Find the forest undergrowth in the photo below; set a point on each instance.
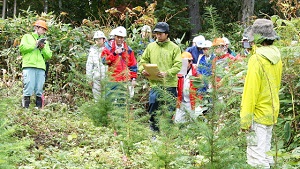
(74, 131)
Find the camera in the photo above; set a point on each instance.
(246, 44)
(42, 41)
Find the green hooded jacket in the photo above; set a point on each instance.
(260, 99)
(167, 56)
(31, 55)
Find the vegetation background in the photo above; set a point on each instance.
(73, 131)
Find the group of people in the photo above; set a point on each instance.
(177, 71)
(202, 64)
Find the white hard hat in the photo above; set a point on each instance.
(146, 28)
(197, 37)
(226, 40)
(199, 40)
(112, 34)
(120, 31)
(99, 34)
(244, 38)
(207, 44)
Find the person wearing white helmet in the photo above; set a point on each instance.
(120, 59)
(246, 45)
(120, 31)
(227, 49)
(207, 44)
(146, 38)
(196, 50)
(206, 47)
(112, 34)
(111, 38)
(95, 69)
(146, 32)
(205, 65)
(195, 39)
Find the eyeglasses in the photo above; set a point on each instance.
(205, 49)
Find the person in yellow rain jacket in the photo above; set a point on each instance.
(260, 99)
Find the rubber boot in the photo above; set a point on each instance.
(26, 102)
(38, 102)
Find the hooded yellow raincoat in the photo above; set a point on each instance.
(260, 99)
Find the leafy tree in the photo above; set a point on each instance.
(175, 15)
(65, 136)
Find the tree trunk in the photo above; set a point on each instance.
(46, 6)
(247, 11)
(3, 9)
(60, 6)
(194, 17)
(15, 8)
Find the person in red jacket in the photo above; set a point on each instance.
(186, 97)
(120, 59)
(221, 62)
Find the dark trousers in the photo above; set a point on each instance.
(155, 101)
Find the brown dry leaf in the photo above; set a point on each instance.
(138, 8)
(64, 13)
(112, 11)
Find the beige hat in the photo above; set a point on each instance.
(263, 28)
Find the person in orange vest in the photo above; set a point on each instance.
(186, 98)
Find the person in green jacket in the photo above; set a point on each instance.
(167, 56)
(260, 99)
(35, 51)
